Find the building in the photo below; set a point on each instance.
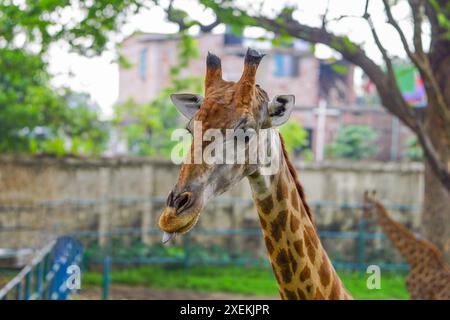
(290, 69)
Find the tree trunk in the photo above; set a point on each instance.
(436, 213)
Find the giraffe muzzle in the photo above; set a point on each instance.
(180, 215)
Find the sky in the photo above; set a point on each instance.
(99, 76)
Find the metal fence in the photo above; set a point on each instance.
(360, 238)
(43, 277)
(47, 275)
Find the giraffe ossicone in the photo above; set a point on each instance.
(301, 266)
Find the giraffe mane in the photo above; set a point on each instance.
(294, 175)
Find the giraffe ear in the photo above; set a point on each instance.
(187, 103)
(280, 109)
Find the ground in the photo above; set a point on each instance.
(221, 282)
(127, 292)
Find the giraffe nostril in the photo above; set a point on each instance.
(183, 201)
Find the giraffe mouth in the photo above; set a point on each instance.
(172, 223)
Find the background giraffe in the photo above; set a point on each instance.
(429, 277)
(300, 264)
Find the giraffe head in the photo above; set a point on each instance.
(368, 202)
(241, 107)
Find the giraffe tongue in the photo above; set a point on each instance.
(167, 236)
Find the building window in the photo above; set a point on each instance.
(231, 38)
(143, 64)
(285, 65)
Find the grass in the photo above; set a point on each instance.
(240, 279)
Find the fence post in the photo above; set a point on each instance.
(147, 204)
(19, 295)
(28, 278)
(39, 279)
(104, 209)
(361, 244)
(106, 277)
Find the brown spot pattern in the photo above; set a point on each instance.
(310, 250)
(282, 261)
(269, 245)
(301, 294)
(266, 204)
(319, 295)
(312, 235)
(281, 190)
(298, 245)
(279, 225)
(324, 272)
(290, 295)
(293, 261)
(294, 200)
(335, 289)
(295, 223)
(305, 274)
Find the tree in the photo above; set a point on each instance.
(148, 127)
(34, 117)
(296, 139)
(354, 142)
(431, 125)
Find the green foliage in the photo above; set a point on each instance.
(295, 138)
(339, 68)
(35, 118)
(251, 280)
(355, 142)
(84, 25)
(414, 151)
(148, 127)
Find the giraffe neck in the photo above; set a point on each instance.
(301, 266)
(412, 249)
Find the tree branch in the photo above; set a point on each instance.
(380, 46)
(393, 22)
(417, 7)
(179, 17)
(392, 100)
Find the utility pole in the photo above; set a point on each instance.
(322, 113)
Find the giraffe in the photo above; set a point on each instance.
(429, 277)
(300, 264)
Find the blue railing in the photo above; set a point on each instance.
(49, 274)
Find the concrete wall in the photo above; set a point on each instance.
(63, 195)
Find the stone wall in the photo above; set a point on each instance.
(40, 196)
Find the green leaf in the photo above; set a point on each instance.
(339, 68)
